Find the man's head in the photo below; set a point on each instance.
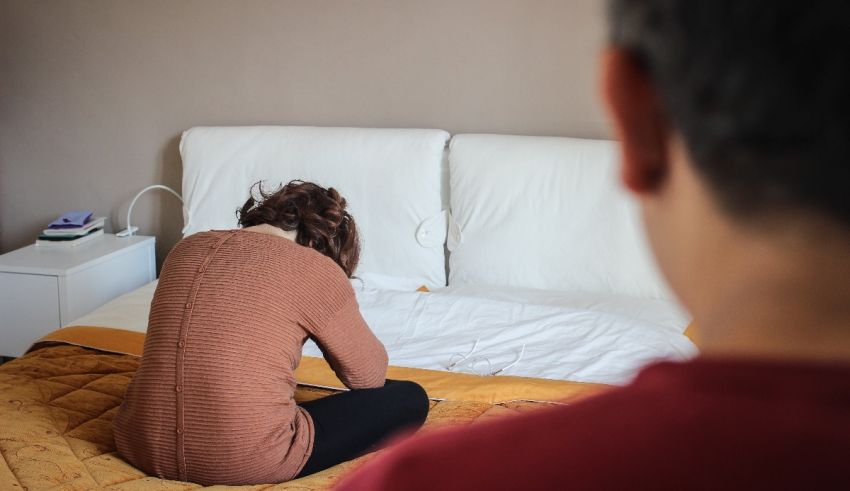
(731, 110)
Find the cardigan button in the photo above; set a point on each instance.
(178, 388)
(179, 431)
(181, 344)
(188, 305)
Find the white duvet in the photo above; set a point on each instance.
(585, 338)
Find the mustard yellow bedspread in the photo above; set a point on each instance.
(58, 401)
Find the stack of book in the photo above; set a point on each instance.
(72, 229)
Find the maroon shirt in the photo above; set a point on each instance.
(705, 424)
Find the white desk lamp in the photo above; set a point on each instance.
(130, 230)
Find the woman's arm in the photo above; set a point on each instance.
(357, 357)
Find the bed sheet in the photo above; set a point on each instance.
(525, 333)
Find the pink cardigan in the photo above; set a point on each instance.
(212, 401)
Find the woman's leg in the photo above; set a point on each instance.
(350, 424)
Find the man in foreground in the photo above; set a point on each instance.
(734, 120)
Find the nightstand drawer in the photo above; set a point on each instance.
(30, 307)
(88, 289)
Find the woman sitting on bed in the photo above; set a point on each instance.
(212, 401)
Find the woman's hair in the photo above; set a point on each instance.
(317, 214)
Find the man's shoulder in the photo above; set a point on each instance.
(677, 423)
(572, 442)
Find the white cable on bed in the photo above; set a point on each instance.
(522, 352)
(463, 358)
(474, 361)
(484, 373)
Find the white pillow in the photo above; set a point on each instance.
(548, 213)
(390, 178)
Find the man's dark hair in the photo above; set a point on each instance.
(759, 90)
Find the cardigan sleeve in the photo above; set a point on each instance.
(357, 357)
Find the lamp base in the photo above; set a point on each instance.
(127, 232)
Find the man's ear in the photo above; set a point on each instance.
(638, 120)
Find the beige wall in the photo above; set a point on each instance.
(94, 93)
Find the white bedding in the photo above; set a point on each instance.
(531, 333)
(391, 179)
(547, 213)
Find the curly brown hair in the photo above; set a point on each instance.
(317, 214)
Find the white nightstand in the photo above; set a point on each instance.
(45, 288)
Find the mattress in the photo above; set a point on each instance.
(58, 401)
(602, 339)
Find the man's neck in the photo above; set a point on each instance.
(781, 299)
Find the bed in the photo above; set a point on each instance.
(503, 273)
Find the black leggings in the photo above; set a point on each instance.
(353, 423)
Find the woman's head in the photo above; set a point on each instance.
(317, 214)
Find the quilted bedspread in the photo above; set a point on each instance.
(57, 405)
